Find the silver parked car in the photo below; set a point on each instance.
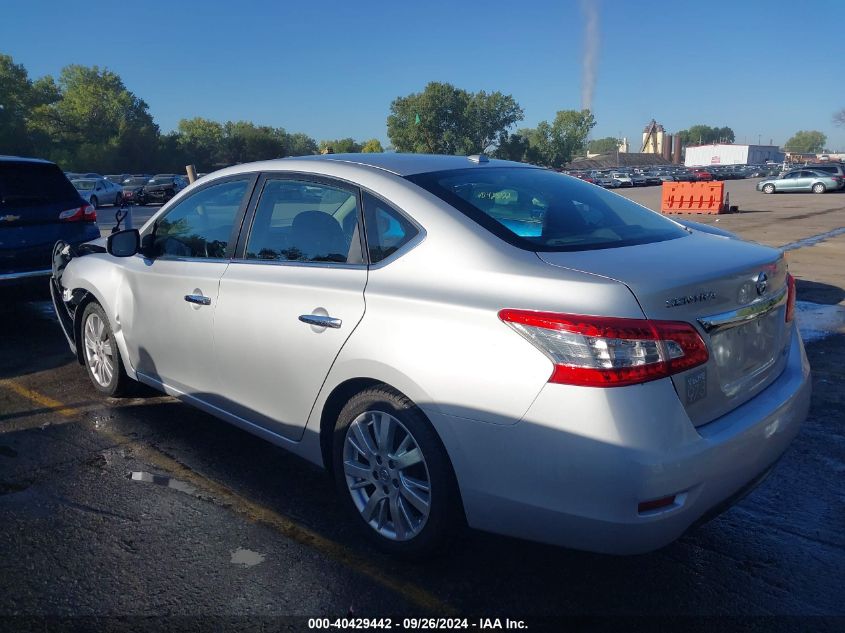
(458, 340)
(99, 191)
(801, 180)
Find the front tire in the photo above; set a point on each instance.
(394, 475)
(101, 354)
(768, 188)
(819, 188)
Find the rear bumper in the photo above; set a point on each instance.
(573, 471)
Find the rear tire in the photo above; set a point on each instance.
(768, 188)
(94, 202)
(819, 188)
(118, 200)
(394, 475)
(101, 354)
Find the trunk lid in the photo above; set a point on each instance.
(733, 292)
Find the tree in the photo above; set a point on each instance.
(703, 134)
(244, 142)
(21, 101)
(340, 146)
(201, 141)
(299, 144)
(443, 119)
(806, 142)
(569, 132)
(488, 117)
(512, 146)
(604, 145)
(96, 123)
(373, 146)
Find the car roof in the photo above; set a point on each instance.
(23, 159)
(409, 164)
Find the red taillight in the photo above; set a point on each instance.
(790, 298)
(85, 213)
(607, 351)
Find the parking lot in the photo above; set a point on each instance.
(148, 507)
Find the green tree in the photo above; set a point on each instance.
(512, 146)
(603, 145)
(443, 119)
(340, 146)
(703, 134)
(299, 144)
(96, 123)
(21, 102)
(569, 134)
(244, 142)
(373, 146)
(489, 117)
(806, 142)
(201, 142)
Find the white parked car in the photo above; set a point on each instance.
(458, 340)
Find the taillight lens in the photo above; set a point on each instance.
(607, 351)
(790, 298)
(85, 213)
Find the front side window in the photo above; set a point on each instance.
(303, 221)
(201, 224)
(541, 210)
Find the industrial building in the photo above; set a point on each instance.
(731, 154)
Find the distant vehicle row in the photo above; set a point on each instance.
(131, 188)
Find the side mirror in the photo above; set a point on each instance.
(124, 243)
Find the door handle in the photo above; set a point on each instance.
(320, 321)
(198, 299)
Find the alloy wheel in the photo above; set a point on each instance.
(98, 350)
(387, 475)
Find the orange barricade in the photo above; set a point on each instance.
(693, 197)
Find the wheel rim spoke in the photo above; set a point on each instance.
(408, 458)
(387, 475)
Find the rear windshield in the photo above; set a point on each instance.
(84, 185)
(163, 180)
(33, 184)
(135, 182)
(541, 210)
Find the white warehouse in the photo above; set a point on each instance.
(731, 154)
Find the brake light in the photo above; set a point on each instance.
(790, 298)
(85, 213)
(595, 351)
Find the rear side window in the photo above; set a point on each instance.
(303, 221)
(387, 229)
(25, 185)
(541, 210)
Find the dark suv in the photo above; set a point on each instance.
(38, 206)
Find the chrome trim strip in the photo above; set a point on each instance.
(24, 275)
(725, 320)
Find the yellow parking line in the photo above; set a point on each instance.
(254, 511)
(45, 401)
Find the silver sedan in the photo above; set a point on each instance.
(99, 191)
(802, 180)
(459, 341)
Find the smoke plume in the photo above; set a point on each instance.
(589, 69)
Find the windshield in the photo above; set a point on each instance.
(84, 185)
(541, 210)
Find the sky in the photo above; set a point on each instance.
(765, 68)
